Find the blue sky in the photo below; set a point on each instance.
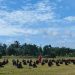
(39, 22)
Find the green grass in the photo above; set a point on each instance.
(9, 69)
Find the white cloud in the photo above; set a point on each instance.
(50, 32)
(11, 22)
(10, 30)
(70, 18)
(42, 12)
(26, 16)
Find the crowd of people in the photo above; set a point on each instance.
(34, 63)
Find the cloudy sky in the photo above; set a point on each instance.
(39, 22)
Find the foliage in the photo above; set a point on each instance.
(33, 50)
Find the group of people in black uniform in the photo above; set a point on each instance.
(35, 63)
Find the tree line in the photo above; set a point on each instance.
(25, 49)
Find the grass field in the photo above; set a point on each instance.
(9, 69)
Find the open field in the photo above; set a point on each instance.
(9, 69)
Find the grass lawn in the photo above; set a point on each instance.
(9, 69)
